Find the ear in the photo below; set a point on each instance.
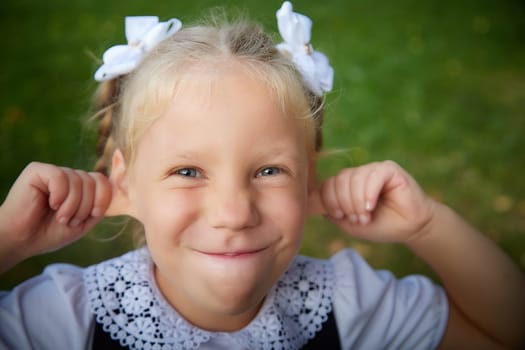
(315, 202)
(120, 201)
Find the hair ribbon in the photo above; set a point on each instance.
(143, 33)
(314, 66)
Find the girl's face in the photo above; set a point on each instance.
(220, 182)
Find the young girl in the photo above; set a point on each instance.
(209, 137)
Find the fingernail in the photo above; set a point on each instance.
(353, 219)
(368, 206)
(363, 219)
(74, 223)
(96, 212)
(338, 214)
(63, 220)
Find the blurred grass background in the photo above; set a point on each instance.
(438, 86)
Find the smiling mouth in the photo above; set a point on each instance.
(237, 254)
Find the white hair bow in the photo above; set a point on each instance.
(295, 29)
(143, 33)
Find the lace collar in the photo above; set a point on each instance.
(127, 303)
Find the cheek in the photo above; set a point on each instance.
(288, 211)
(166, 214)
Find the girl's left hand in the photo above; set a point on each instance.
(378, 202)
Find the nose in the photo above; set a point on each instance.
(232, 206)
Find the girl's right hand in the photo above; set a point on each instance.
(47, 208)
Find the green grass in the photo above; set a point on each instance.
(438, 86)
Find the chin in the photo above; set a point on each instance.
(238, 296)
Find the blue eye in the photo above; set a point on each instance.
(269, 171)
(187, 172)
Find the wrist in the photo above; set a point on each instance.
(432, 228)
(10, 253)
(9, 256)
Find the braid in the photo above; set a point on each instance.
(106, 105)
(317, 109)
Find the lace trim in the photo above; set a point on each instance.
(126, 302)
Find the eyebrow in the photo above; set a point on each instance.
(271, 153)
(282, 152)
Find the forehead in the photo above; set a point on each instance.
(228, 107)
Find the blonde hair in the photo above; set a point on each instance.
(128, 105)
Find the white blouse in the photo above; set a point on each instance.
(373, 310)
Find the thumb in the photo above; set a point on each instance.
(114, 208)
(119, 204)
(315, 203)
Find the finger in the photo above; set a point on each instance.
(361, 201)
(330, 201)
(374, 186)
(344, 193)
(358, 184)
(103, 194)
(386, 178)
(85, 204)
(69, 206)
(58, 187)
(49, 180)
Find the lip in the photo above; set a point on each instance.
(236, 254)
